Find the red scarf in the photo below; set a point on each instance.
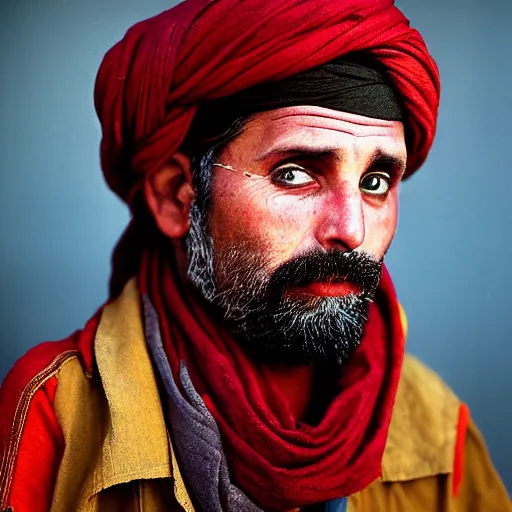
(278, 462)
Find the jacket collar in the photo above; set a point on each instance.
(136, 445)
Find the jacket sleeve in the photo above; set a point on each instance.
(481, 489)
(31, 441)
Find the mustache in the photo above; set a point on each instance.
(333, 266)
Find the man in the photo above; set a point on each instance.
(251, 354)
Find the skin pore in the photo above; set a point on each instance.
(327, 207)
(304, 179)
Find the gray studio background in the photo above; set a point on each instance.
(450, 259)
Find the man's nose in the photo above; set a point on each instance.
(342, 225)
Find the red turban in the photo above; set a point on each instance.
(150, 83)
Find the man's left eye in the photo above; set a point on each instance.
(291, 175)
(376, 184)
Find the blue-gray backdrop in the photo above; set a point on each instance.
(58, 221)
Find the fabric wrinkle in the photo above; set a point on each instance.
(195, 434)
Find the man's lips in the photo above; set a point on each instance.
(325, 289)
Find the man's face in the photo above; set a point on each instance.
(296, 245)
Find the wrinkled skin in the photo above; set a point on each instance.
(329, 207)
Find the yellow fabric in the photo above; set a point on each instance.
(82, 412)
(481, 488)
(114, 428)
(403, 319)
(135, 442)
(118, 454)
(423, 429)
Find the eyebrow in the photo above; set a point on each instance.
(297, 150)
(387, 161)
(380, 159)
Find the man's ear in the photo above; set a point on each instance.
(169, 193)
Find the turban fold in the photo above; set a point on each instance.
(151, 83)
(347, 84)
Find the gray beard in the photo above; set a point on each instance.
(323, 330)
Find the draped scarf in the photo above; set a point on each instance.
(278, 462)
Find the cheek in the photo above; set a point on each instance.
(272, 223)
(381, 224)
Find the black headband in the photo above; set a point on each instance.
(348, 84)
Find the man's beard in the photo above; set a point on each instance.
(272, 324)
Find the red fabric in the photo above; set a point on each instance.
(28, 366)
(39, 454)
(280, 463)
(27, 474)
(149, 84)
(458, 465)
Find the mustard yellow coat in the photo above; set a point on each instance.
(118, 455)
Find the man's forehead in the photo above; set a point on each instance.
(321, 130)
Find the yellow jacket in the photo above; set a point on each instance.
(118, 455)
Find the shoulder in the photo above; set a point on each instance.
(433, 441)
(435, 457)
(432, 437)
(480, 486)
(30, 374)
(423, 432)
(30, 436)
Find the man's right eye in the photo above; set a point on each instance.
(291, 175)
